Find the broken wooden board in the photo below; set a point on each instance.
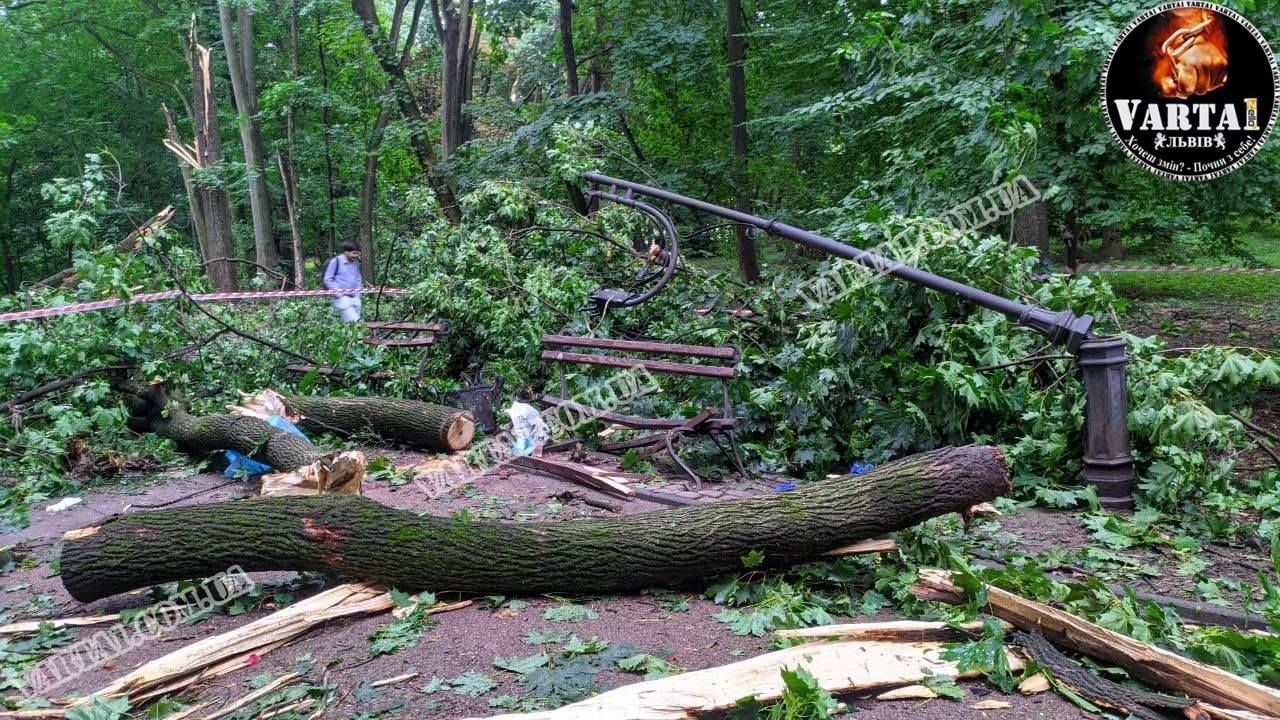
(1145, 662)
(597, 478)
(892, 631)
(865, 547)
(26, 627)
(184, 666)
(840, 666)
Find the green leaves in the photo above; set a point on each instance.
(569, 612)
(987, 655)
(100, 709)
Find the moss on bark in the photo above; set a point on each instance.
(356, 536)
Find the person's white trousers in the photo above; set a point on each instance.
(348, 307)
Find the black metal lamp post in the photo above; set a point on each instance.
(1102, 360)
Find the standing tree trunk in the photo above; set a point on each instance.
(459, 38)
(290, 132)
(207, 156)
(566, 42)
(393, 64)
(369, 195)
(6, 231)
(240, 64)
(576, 198)
(290, 183)
(352, 535)
(331, 228)
(748, 266)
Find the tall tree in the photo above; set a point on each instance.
(748, 266)
(393, 64)
(455, 23)
(566, 43)
(207, 156)
(369, 194)
(241, 65)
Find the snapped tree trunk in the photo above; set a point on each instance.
(409, 421)
(193, 195)
(240, 63)
(355, 536)
(207, 155)
(736, 52)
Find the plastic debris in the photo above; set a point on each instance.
(528, 428)
(860, 468)
(239, 465)
(63, 504)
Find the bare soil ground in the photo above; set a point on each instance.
(462, 641)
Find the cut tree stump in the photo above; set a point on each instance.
(358, 537)
(413, 422)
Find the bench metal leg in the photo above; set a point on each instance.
(695, 480)
(735, 456)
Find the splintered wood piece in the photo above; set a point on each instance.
(273, 630)
(608, 481)
(841, 666)
(865, 547)
(27, 627)
(908, 692)
(254, 696)
(1145, 662)
(896, 630)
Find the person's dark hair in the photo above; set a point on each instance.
(350, 246)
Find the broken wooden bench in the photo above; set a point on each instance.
(386, 334)
(718, 363)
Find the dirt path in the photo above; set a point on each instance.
(462, 645)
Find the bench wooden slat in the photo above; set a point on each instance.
(662, 366)
(407, 326)
(401, 342)
(633, 422)
(641, 346)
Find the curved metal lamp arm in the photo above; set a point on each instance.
(666, 227)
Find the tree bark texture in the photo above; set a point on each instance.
(289, 181)
(459, 39)
(409, 421)
(240, 63)
(355, 536)
(193, 195)
(566, 43)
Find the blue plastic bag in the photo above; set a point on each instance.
(240, 466)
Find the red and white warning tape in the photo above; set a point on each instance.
(1097, 267)
(203, 297)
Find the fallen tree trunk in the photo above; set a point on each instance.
(358, 537)
(413, 422)
(151, 410)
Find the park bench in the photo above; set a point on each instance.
(715, 423)
(386, 334)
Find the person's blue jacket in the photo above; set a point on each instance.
(342, 274)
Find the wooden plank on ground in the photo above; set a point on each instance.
(839, 666)
(26, 627)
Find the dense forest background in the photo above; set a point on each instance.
(854, 111)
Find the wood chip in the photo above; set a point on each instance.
(909, 692)
(991, 705)
(864, 547)
(1034, 685)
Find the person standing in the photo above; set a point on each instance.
(343, 273)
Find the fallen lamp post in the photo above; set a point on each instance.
(1102, 360)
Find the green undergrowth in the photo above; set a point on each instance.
(1240, 287)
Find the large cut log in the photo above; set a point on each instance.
(360, 538)
(408, 421)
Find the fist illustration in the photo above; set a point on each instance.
(1192, 57)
